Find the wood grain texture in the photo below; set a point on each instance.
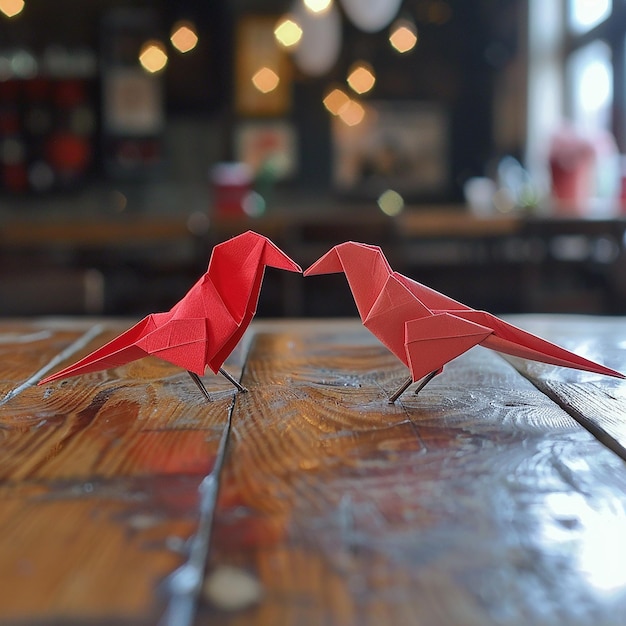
(481, 501)
(598, 403)
(98, 477)
(478, 502)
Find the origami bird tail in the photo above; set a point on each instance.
(510, 339)
(116, 352)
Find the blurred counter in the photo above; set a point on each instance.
(148, 258)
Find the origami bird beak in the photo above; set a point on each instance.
(275, 257)
(327, 264)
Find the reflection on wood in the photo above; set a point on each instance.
(443, 510)
(480, 501)
(597, 403)
(100, 476)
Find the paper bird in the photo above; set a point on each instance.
(204, 327)
(426, 329)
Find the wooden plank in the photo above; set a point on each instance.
(597, 402)
(99, 479)
(479, 502)
(144, 418)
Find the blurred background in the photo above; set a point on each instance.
(479, 143)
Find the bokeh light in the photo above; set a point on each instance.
(391, 202)
(184, 37)
(288, 32)
(403, 35)
(351, 113)
(361, 77)
(253, 204)
(335, 99)
(265, 79)
(595, 86)
(585, 14)
(11, 8)
(317, 6)
(153, 56)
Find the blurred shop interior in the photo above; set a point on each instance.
(479, 143)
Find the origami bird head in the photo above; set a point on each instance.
(365, 266)
(247, 252)
(272, 256)
(237, 266)
(338, 258)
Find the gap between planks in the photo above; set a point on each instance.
(72, 349)
(593, 427)
(185, 583)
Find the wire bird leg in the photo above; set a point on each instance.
(405, 385)
(196, 379)
(200, 384)
(422, 383)
(400, 390)
(230, 379)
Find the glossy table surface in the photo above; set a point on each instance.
(496, 496)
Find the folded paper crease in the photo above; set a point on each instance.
(426, 329)
(204, 327)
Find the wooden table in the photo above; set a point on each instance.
(496, 496)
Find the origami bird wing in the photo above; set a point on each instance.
(434, 300)
(512, 340)
(505, 337)
(202, 330)
(185, 343)
(433, 341)
(386, 319)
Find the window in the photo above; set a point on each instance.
(577, 69)
(595, 80)
(589, 77)
(585, 14)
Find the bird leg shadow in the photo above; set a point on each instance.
(405, 385)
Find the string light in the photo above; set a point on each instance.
(153, 56)
(184, 37)
(403, 35)
(351, 113)
(265, 79)
(317, 6)
(334, 100)
(288, 32)
(361, 77)
(11, 8)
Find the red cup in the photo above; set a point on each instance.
(232, 183)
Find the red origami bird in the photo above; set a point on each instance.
(426, 329)
(204, 327)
